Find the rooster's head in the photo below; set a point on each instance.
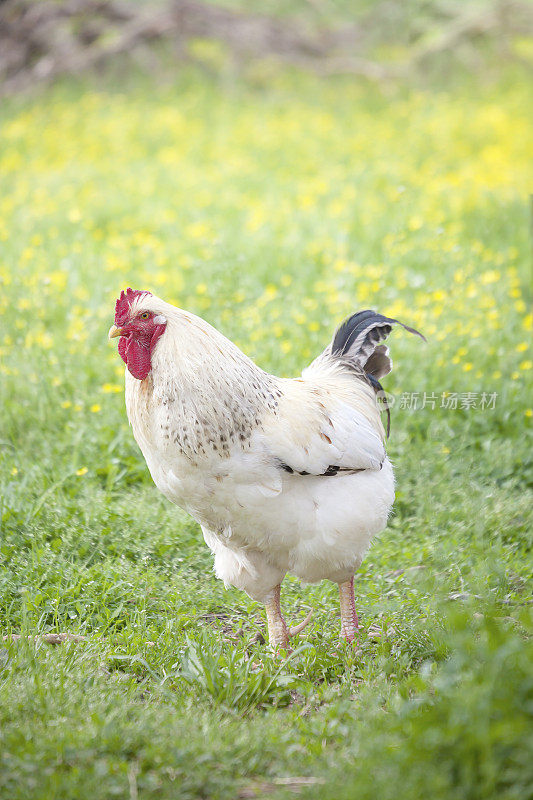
(139, 327)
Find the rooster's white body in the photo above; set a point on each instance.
(283, 475)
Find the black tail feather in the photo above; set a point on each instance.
(363, 329)
(383, 398)
(379, 363)
(357, 342)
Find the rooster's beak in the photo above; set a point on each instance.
(114, 332)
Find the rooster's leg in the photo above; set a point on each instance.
(278, 632)
(349, 618)
(278, 635)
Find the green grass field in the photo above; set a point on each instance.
(273, 209)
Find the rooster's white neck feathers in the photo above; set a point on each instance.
(210, 395)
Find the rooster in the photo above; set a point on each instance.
(283, 475)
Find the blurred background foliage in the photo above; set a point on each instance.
(378, 39)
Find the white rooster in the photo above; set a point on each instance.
(283, 475)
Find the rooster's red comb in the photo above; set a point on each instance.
(122, 306)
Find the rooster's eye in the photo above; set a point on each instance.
(145, 315)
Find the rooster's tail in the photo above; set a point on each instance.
(357, 342)
(356, 345)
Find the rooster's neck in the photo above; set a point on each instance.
(205, 397)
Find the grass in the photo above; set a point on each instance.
(272, 208)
